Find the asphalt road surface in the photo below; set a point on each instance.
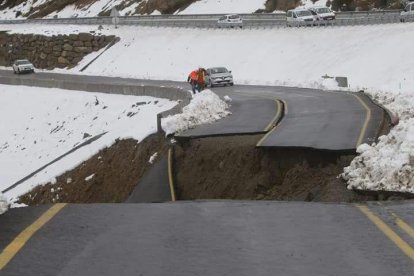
(267, 112)
(212, 238)
(154, 186)
(312, 118)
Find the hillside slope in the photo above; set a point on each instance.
(10, 9)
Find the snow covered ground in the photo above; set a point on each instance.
(290, 57)
(39, 124)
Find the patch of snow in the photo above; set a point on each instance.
(310, 3)
(205, 107)
(48, 122)
(152, 158)
(88, 178)
(156, 12)
(224, 6)
(3, 204)
(227, 99)
(68, 180)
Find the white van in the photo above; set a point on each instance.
(299, 17)
(408, 13)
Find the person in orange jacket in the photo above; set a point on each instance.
(201, 82)
(193, 80)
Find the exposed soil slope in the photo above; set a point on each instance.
(232, 168)
(117, 170)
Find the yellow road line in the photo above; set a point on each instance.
(14, 247)
(381, 225)
(367, 118)
(170, 175)
(403, 225)
(285, 108)
(399, 221)
(276, 117)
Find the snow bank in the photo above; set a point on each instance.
(224, 6)
(37, 125)
(205, 107)
(3, 204)
(389, 164)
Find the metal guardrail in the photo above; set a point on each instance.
(210, 20)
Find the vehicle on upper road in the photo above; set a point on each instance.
(230, 21)
(218, 76)
(299, 17)
(322, 13)
(23, 66)
(408, 13)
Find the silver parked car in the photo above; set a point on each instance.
(218, 76)
(322, 13)
(230, 21)
(22, 66)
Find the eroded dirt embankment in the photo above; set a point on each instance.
(209, 168)
(116, 171)
(233, 168)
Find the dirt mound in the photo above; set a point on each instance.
(109, 176)
(233, 168)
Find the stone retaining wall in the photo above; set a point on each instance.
(49, 52)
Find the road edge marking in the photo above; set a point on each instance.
(170, 175)
(367, 119)
(387, 231)
(276, 117)
(18, 243)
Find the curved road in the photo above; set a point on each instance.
(312, 118)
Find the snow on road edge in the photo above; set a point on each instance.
(389, 164)
(205, 107)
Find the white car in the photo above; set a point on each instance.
(22, 66)
(322, 13)
(219, 76)
(230, 21)
(408, 13)
(299, 17)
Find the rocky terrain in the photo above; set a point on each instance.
(49, 52)
(52, 8)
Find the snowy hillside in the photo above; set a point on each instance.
(67, 8)
(224, 6)
(38, 124)
(295, 57)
